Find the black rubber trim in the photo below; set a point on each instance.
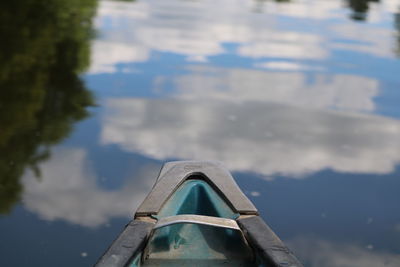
(266, 243)
(128, 244)
(173, 174)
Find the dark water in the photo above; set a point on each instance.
(299, 99)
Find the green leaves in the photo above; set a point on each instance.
(45, 45)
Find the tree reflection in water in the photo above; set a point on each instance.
(45, 45)
(360, 8)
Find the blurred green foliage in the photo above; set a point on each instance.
(45, 45)
(360, 8)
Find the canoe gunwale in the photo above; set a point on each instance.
(129, 243)
(266, 243)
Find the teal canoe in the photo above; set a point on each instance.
(196, 215)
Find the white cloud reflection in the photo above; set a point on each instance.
(344, 92)
(368, 39)
(255, 136)
(106, 55)
(67, 189)
(317, 10)
(281, 49)
(199, 30)
(321, 253)
(287, 66)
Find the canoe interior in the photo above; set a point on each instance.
(196, 245)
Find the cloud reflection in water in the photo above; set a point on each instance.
(317, 252)
(254, 136)
(197, 31)
(68, 190)
(343, 92)
(201, 30)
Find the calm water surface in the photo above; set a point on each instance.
(299, 99)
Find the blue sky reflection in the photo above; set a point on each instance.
(295, 98)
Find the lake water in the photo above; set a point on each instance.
(299, 99)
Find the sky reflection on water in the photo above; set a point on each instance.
(254, 136)
(299, 99)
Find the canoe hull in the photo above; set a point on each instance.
(196, 215)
